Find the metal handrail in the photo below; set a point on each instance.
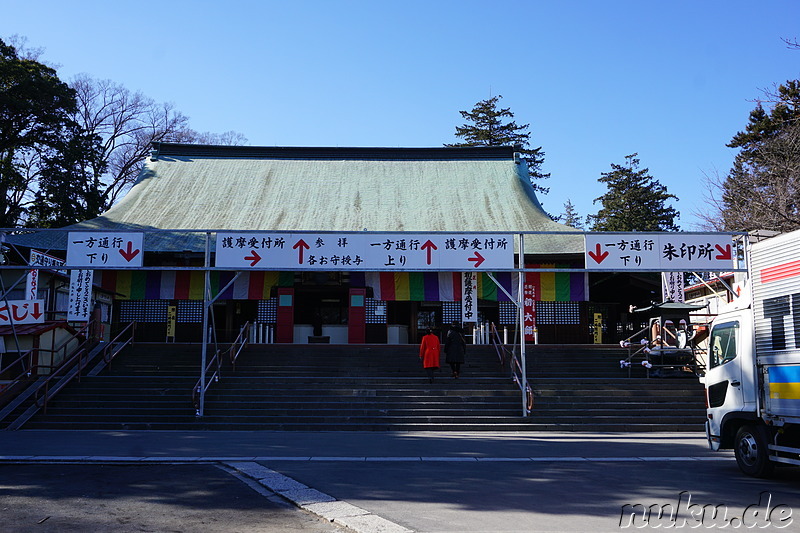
(53, 368)
(110, 352)
(26, 373)
(29, 355)
(515, 367)
(198, 387)
(500, 348)
(242, 340)
(79, 359)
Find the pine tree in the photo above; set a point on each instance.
(486, 127)
(762, 189)
(634, 201)
(570, 216)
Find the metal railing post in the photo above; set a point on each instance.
(520, 301)
(204, 349)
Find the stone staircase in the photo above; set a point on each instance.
(583, 388)
(373, 388)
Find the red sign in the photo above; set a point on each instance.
(529, 309)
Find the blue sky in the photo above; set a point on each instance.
(673, 81)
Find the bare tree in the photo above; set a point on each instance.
(127, 123)
(710, 215)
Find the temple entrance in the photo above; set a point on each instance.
(231, 315)
(321, 314)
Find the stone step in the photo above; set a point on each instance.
(375, 388)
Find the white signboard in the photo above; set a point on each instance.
(86, 249)
(469, 297)
(80, 295)
(32, 280)
(21, 312)
(359, 251)
(672, 286)
(659, 252)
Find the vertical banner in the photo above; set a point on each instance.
(80, 295)
(672, 286)
(172, 321)
(32, 285)
(32, 280)
(529, 307)
(598, 328)
(469, 297)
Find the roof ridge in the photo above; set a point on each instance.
(335, 153)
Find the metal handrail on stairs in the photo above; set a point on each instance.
(59, 378)
(26, 372)
(216, 361)
(198, 387)
(241, 341)
(504, 354)
(115, 345)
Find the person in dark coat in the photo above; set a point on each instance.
(429, 353)
(455, 349)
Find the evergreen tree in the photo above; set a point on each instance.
(634, 201)
(570, 216)
(68, 189)
(762, 189)
(36, 111)
(486, 126)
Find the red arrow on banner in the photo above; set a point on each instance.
(36, 313)
(130, 253)
(599, 255)
(725, 254)
(478, 259)
(255, 258)
(429, 247)
(301, 244)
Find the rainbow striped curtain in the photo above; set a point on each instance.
(557, 286)
(387, 286)
(188, 284)
(446, 286)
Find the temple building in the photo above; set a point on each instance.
(187, 192)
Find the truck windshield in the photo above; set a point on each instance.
(723, 343)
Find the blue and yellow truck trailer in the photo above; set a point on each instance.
(753, 376)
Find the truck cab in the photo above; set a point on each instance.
(753, 370)
(731, 392)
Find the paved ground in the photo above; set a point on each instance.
(368, 482)
(84, 498)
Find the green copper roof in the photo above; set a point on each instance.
(331, 189)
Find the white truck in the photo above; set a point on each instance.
(753, 375)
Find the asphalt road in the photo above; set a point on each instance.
(426, 482)
(80, 498)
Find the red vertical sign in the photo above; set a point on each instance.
(529, 307)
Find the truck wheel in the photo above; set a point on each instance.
(751, 451)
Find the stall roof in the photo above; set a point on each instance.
(669, 307)
(34, 329)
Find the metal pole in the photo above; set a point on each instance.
(520, 301)
(204, 350)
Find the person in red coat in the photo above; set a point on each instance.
(430, 352)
